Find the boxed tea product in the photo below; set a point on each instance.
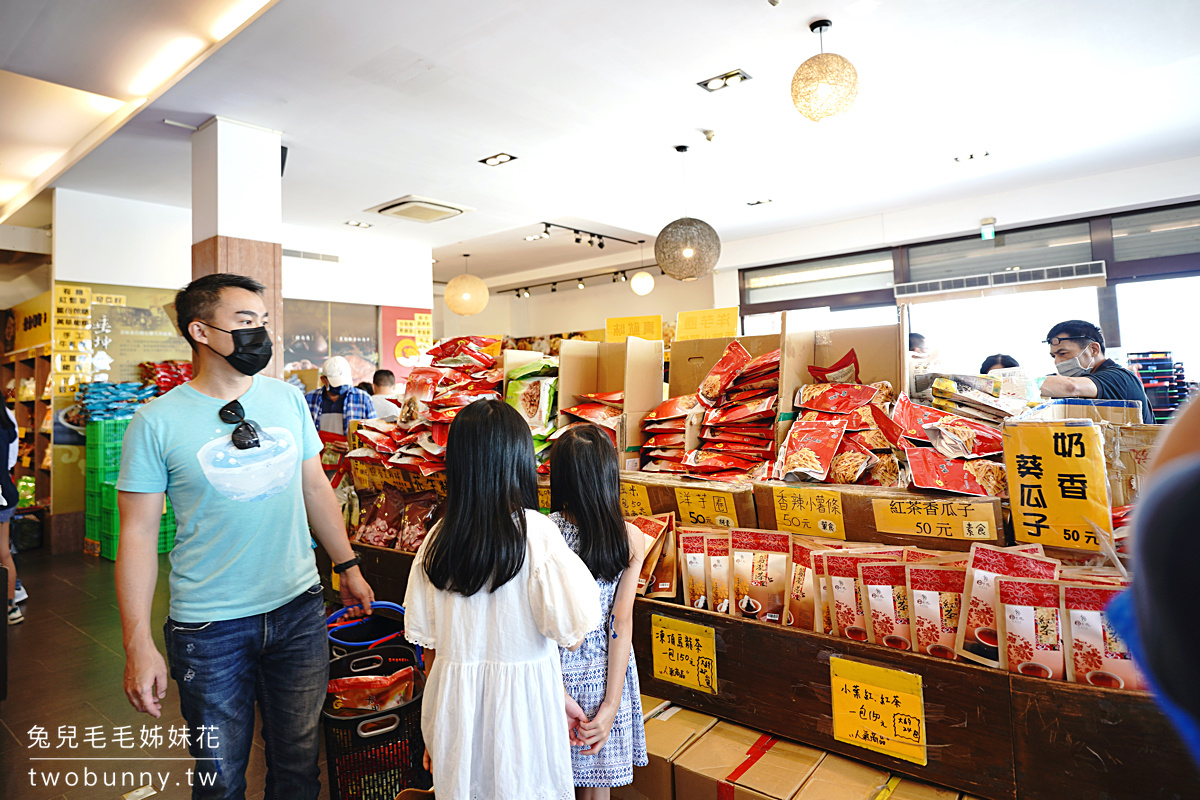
(719, 560)
(885, 602)
(1031, 641)
(978, 637)
(653, 530)
(935, 593)
(1096, 655)
(693, 568)
(761, 569)
(802, 596)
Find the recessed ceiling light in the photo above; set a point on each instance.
(497, 160)
(353, 223)
(164, 65)
(721, 81)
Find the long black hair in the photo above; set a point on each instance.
(490, 481)
(585, 482)
(998, 360)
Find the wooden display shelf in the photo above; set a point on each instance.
(991, 734)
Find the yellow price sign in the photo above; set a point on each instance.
(714, 323)
(938, 518)
(817, 512)
(1057, 482)
(635, 500)
(878, 708)
(702, 507)
(544, 497)
(616, 329)
(684, 653)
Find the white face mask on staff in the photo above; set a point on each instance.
(1081, 364)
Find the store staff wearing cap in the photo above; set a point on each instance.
(1077, 348)
(338, 402)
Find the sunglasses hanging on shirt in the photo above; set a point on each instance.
(245, 435)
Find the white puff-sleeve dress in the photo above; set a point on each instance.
(492, 714)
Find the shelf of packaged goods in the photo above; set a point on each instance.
(990, 734)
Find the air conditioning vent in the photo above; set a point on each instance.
(311, 256)
(1013, 277)
(420, 209)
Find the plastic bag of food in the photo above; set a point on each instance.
(417, 517)
(741, 413)
(759, 368)
(808, 451)
(960, 438)
(844, 371)
(850, 462)
(358, 694)
(600, 414)
(674, 408)
(930, 469)
(835, 398)
(614, 399)
(719, 378)
(535, 399)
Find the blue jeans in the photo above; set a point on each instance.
(280, 659)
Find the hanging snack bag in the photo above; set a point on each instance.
(761, 568)
(931, 470)
(663, 580)
(978, 637)
(802, 596)
(652, 529)
(808, 451)
(884, 590)
(719, 561)
(935, 593)
(844, 371)
(850, 462)
(1030, 632)
(834, 398)
(841, 569)
(956, 437)
(1095, 654)
(378, 525)
(417, 518)
(719, 378)
(693, 568)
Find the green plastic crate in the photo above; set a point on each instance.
(105, 456)
(106, 430)
(110, 522)
(108, 496)
(94, 502)
(108, 546)
(166, 541)
(91, 525)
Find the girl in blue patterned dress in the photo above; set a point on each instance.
(601, 675)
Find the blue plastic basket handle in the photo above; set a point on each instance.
(335, 627)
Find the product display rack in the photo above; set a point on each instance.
(34, 363)
(1163, 379)
(991, 734)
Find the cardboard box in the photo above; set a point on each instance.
(696, 502)
(692, 359)
(1118, 412)
(732, 761)
(668, 736)
(909, 789)
(652, 706)
(862, 519)
(840, 778)
(1127, 451)
(634, 367)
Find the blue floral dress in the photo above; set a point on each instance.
(585, 674)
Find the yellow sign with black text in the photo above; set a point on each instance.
(635, 500)
(684, 653)
(878, 708)
(617, 329)
(817, 512)
(702, 507)
(943, 518)
(713, 323)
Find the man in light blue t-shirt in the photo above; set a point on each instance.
(239, 458)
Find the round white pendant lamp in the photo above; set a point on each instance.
(642, 283)
(826, 84)
(466, 294)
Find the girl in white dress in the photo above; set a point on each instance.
(493, 592)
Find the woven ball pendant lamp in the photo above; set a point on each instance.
(466, 294)
(826, 84)
(687, 249)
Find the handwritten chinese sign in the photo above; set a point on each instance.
(709, 324)
(616, 329)
(635, 500)
(878, 708)
(817, 512)
(544, 497)
(702, 507)
(1057, 482)
(684, 653)
(940, 518)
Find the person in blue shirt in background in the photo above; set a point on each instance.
(337, 402)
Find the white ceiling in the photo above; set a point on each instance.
(378, 99)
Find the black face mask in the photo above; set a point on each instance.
(251, 349)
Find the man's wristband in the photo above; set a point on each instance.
(345, 565)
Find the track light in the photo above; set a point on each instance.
(553, 288)
(546, 230)
(600, 242)
(591, 241)
(623, 278)
(581, 283)
(578, 239)
(524, 293)
(615, 277)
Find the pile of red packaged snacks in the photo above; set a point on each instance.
(415, 439)
(165, 375)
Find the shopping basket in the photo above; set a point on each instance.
(373, 756)
(365, 633)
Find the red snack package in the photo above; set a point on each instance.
(421, 510)
(850, 462)
(931, 470)
(978, 626)
(614, 399)
(669, 426)
(728, 367)
(1096, 655)
(665, 578)
(422, 384)
(605, 416)
(665, 440)
(675, 454)
(1028, 627)
(961, 438)
(674, 408)
(757, 430)
(443, 414)
(759, 367)
(654, 530)
(741, 413)
(358, 693)
(768, 381)
(441, 433)
(741, 450)
(835, 398)
(913, 418)
(890, 429)
(463, 396)
(379, 523)
(662, 465)
(452, 346)
(841, 570)
(724, 435)
(709, 461)
(802, 605)
(735, 396)
(844, 371)
(809, 449)
(872, 440)
(886, 394)
(380, 441)
(884, 472)
(935, 594)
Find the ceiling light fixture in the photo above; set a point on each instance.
(524, 293)
(105, 105)
(553, 288)
(234, 17)
(615, 278)
(163, 66)
(353, 223)
(578, 239)
(758, 203)
(642, 283)
(580, 283)
(466, 294)
(826, 84)
(497, 160)
(623, 276)
(721, 81)
(687, 248)
(969, 157)
(600, 242)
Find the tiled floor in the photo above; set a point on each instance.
(65, 669)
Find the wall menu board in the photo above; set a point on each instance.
(314, 330)
(29, 323)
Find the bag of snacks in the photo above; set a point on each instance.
(850, 462)
(719, 562)
(663, 579)
(841, 570)
(614, 399)
(834, 398)
(665, 440)
(738, 449)
(884, 472)
(761, 568)
(726, 435)
(728, 367)
(1029, 629)
(886, 394)
(913, 418)
(1095, 653)
(978, 637)
(955, 437)
(884, 591)
(358, 694)
(693, 568)
(714, 461)
(931, 470)
(674, 408)
(844, 371)
(766, 364)
(602, 415)
(802, 597)
(935, 594)
(741, 413)
(808, 451)
(417, 517)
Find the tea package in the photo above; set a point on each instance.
(719, 557)
(802, 596)
(808, 451)
(884, 590)
(1095, 654)
(693, 568)
(841, 569)
(1028, 627)
(719, 378)
(662, 581)
(935, 595)
(652, 529)
(978, 637)
(844, 371)
(761, 568)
